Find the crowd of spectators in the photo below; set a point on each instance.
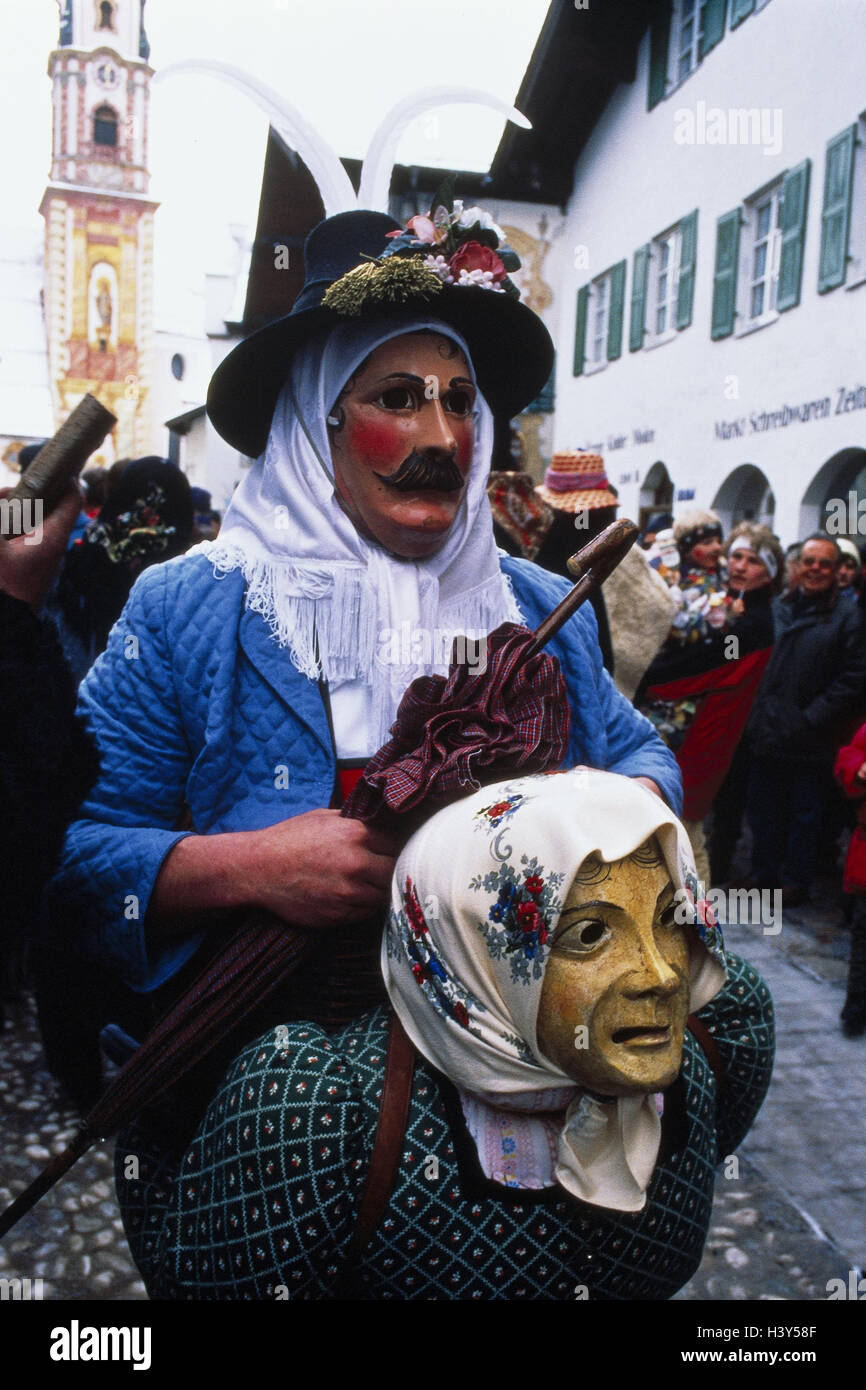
(777, 640)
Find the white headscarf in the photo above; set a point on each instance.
(328, 594)
(476, 896)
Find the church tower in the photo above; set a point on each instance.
(99, 219)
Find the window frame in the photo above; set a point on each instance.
(115, 123)
(654, 336)
(856, 267)
(751, 207)
(605, 281)
(675, 51)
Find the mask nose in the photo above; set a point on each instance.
(436, 430)
(653, 975)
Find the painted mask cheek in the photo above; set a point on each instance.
(376, 442)
(464, 433)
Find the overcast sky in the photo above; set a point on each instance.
(343, 63)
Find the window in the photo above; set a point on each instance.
(667, 268)
(178, 366)
(764, 255)
(681, 35)
(855, 273)
(759, 255)
(836, 213)
(599, 309)
(106, 15)
(689, 18)
(663, 282)
(598, 333)
(104, 126)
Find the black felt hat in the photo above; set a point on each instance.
(511, 349)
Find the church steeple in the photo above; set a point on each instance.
(99, 220)
(118, 24)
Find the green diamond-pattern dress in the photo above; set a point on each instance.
(263, 1202)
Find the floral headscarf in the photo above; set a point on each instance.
(476, 897)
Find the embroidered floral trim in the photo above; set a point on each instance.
(521, 915)
(493, 815)
(448, 997)
(703, 912)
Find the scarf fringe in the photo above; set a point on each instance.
(325, 614)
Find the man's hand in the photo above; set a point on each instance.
(320, 869)
(860, 774)
(29, 563)
(316, 870)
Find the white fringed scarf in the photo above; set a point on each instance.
(342, 604)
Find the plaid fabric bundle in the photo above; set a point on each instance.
(487, 719)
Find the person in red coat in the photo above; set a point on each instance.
(850, 773)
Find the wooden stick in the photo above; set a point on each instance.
(590, 566)
(65, 454)
(60, 1164)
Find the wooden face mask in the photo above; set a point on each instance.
(401, 437)
(615, 998)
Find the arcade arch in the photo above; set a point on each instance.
(745, 495)
(841, 475)
(656, 494)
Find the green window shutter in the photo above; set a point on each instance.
(714, 25)
(739, 10)
(580, 330)
(836, 216)
(660, 38)
(686, 286)
(725, 277)
(795, 199)
(639, 277)
(614, 320)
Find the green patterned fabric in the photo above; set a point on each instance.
(263, 1202)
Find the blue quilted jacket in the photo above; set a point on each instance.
(194, 704)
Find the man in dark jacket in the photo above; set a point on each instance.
(47, 761)
(815, 677)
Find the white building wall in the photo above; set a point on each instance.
(205, 458)
(633, 180)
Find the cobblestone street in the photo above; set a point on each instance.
(789, 1221)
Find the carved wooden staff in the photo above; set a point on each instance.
(590, 567)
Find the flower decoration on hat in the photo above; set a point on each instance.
(450, 245)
